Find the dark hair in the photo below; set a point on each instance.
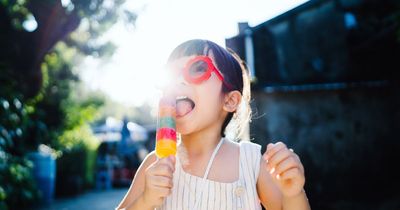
(233, 69)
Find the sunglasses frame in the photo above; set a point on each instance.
(206, 75)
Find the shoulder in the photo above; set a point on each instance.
(230, 149)
(251, 147)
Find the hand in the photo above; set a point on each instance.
(158, 181)
(285, 168)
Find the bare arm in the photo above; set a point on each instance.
(268, 192)
(296, 202)
(282, 179)
(134, 197)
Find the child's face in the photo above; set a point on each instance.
(198, 105)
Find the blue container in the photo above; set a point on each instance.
(44, 173)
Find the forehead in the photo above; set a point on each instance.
(181, 62)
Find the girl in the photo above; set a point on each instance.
(211, 172)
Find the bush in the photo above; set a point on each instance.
(17, 186)
(75, 167)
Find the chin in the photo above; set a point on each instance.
(183, 130)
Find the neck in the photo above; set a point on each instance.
(201, 143)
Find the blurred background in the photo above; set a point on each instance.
(80, 79)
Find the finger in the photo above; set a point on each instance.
(290, 174)
(153, 164)
(269, 146)
(162, 191)
(278, 157)
(298, 160)
(274, 149)
(170, 161)
(161, 181)
(162, 170)
(286, 164)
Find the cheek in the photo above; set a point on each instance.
(211, 102)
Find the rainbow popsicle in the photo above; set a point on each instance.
(166, 128)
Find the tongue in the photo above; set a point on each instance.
(183, 107)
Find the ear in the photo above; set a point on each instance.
(232, 101)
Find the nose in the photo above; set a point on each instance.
(181, 80)
(175, 85)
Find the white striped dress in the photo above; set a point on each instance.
(238, 195)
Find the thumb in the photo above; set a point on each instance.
(170, 161)
(172, 158)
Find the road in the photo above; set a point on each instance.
(93, 200)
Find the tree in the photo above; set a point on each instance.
(40, 42)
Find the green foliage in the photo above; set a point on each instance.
(71, 112)
(82, 108)
(80, 136)
(97, 17)
(20, 189)
(18, 11)
(40, 91)
(17, 187)
(47, 105)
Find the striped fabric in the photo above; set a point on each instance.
(238, 195)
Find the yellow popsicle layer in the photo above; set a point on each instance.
(165, 148)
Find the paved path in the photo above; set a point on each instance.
(94, 200)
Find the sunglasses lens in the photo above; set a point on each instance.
(198, 69)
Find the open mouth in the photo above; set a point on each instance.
(184, 105)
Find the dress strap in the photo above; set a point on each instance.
(210, 162)
(196, 205)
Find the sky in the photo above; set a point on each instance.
(132, 76)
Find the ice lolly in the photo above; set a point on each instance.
(166, 127)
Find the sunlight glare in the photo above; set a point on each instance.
(136, 73)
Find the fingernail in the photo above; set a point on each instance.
(272, 171)
(265, 157)
(171, 157)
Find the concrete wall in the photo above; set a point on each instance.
(314, 66)
(348, 140)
